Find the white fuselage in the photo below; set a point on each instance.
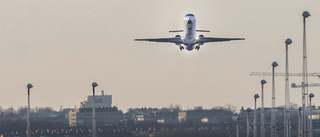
(189, 32)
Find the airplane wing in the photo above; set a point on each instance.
(203, 30)
(176, 40)
(176, 31)
(196, 30)
(213, 39)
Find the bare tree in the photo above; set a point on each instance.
(231, 108)
(44, 109)
(1, 109)
(293, 106)
(218, 108)
(22, 111)
(10, 111)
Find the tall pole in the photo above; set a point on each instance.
(256, 96)
(29, 86)
(248, 111)
(305, 14)
(299, 122)
(238, 119)
(94, 130)
(230, 131)
(310, 117)
(287, 94)
(278, 128)
(273, 112)
(262, 110)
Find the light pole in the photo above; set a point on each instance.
(278, 128)
(273, 113)
(94, 130)
(238, 119)
(287, 94)
(248, 111)
(310, 117)
(299, 122)
(262, 110)
(29, 86)
(256, 96)
(230, 131)
(305, 15)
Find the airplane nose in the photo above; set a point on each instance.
(190, 15)
(189, 48)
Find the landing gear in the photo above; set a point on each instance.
(181, 47)
(197, 47)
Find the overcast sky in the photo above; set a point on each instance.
(61, 47)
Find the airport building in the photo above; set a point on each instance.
(199, 116)
(105, 117)
(102, 100)
(105, 114)
(176, 116)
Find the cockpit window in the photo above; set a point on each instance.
(189, 15)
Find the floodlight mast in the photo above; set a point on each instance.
(305, 15)
(29, 86)
(94, 130)
(248, 131)
(238, 119)
(273, 114)
(299, 122)
(262, 134)
(230, 131)
(310, 117)
(256, 96)
(287, 94)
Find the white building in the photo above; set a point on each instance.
(101, 101)
(105, 117)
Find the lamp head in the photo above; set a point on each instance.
(278, 128)
(249, 110)
(306, 14)
(94, 84)
(29, 86)
(311, 95)
(238, 118)
(263, 82)
(288, 41)
(274, 64)
(256, 96)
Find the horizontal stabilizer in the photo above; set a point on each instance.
(203, 30)
(176, 31)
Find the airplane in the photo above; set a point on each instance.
(190, 41)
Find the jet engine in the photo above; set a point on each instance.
(199, 42)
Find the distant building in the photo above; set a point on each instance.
(167, 117)
(103, 101)
(105, 114)
(175, 116)
(199, 116)
(105, 117)
(155, 115)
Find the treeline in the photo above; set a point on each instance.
(22, 110)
